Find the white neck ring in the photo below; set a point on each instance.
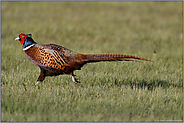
(26, 48)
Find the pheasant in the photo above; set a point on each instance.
(56, 60)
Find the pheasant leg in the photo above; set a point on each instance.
(75, 80)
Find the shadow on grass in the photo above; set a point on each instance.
(150, 85)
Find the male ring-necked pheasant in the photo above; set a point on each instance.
(56, 60)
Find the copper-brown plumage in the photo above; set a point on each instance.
(56, 60)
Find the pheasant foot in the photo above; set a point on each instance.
(75, 80)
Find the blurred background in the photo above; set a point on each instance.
(131, 27)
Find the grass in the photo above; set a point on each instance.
(113, 91)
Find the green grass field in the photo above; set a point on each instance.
(113, 91)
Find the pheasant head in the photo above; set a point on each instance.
(25, 40)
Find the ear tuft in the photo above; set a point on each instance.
(29, 35)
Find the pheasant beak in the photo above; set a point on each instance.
(17, 38)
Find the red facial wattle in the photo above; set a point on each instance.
(22, 38)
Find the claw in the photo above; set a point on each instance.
(38, 82)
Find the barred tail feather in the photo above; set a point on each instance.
(113, 57)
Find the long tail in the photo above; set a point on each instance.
(113, 57)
